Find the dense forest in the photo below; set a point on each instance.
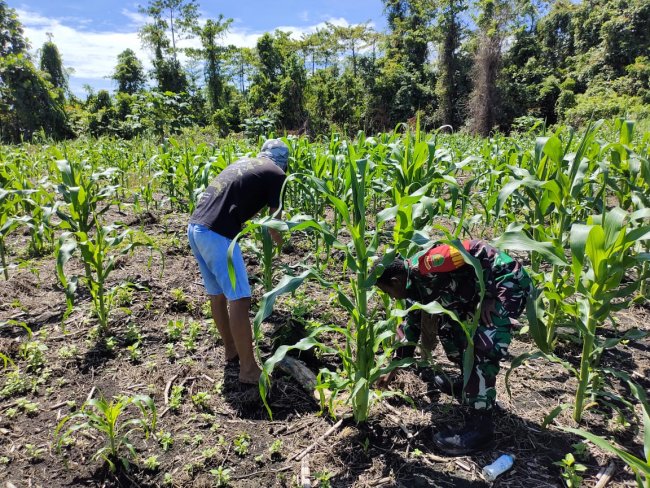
(479, 66)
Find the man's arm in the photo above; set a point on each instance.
(275, 235)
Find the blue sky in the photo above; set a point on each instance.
(90, 34)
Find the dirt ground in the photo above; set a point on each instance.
(395, 448)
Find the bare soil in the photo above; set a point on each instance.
(379, 453)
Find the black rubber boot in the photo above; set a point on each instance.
(451, 385)
(477, 434)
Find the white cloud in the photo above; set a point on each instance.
(93, 54)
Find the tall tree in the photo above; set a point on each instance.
(171, 21)
(212, 53)
(351, 39)
(406, 80)
(52, 64)
(27, 102)
(484, 100)
(11, 31)
(129, 73)
(448, 33)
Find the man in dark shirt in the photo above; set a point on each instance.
(238, 193)
(441, 274)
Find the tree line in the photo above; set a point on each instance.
(475, 65)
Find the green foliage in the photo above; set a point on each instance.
(107, 419)
(52, 65)
(27, 103)
(129, 73)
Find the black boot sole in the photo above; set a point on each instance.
(457, 451)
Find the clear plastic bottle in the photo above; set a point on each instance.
(498, 467)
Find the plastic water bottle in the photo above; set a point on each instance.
(498, 467)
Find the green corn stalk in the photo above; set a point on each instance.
(106, 419)
(603, 250)
(640, 466)
(8, 223)
(99, 251)
(551, 199)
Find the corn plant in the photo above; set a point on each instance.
(603, 251)
(367, 352)
(640, 466)
(551, 199)
(8, 223)
(99, 252)
(107, 419)
(84, 193)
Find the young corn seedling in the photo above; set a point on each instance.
(106, 419)
(99, 252)
(603, 251)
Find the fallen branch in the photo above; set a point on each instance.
(168, 387)
(311, 447)
(256, 473)
(305, 474)
(606, 476)
(396, 420)
(90, 394)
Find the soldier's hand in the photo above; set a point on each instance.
(488, 307)
(276, 236)
(384, 380)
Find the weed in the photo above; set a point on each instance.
(110, 343)
(33, 353)
(34, 453)
(174, 330)
(166, 440)
(135, 353)
(242, 443)
(323, 478)
(201, 399)
(189, 340)
(151, 463)
(571, 471)
(275, 450)
(221, 475)
(176, 397)
(133, 333)
(68, 352)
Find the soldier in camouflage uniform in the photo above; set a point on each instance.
(441, 274)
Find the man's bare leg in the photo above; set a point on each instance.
(240, 327)
(219, 306)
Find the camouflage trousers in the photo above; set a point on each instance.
(491, 344)
(491, 341)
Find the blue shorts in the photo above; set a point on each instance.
(211, 252)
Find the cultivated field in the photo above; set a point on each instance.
(114, 373)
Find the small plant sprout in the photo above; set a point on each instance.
(571, 471)
(275, 450)
(108, 419)
(176, 397)
(110, 343)
(241, 444)
(201, 399)
(323, 478)
(221, 475)
(151, 463)
(166, 440)
(135, 353)
(189, 340)
(174, 330)
(169, 351)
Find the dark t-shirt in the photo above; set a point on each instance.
(237, 194)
